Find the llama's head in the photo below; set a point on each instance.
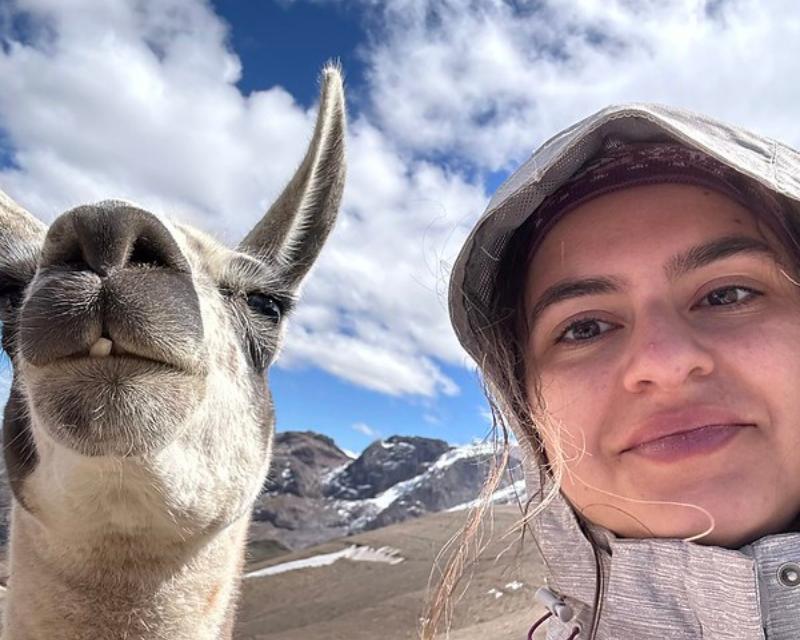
(140, 346)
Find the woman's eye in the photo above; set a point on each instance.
(265, 305)
(727, 296)
(584, 330)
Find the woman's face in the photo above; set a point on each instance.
(666, 341)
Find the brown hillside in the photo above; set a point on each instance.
(351, 600)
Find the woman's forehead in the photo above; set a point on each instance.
(635, 227)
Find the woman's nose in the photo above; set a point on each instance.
(665, 353)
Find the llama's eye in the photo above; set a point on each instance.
(264, 305)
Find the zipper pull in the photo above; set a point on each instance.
(554, 604)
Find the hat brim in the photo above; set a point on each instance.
(472, 280)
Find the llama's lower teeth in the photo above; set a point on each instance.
(101, 348)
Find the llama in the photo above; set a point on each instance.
(139, 426)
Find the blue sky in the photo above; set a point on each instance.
(286, 44)
(201, 111)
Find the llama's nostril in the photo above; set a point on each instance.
(109, 236)
(73, 258)
(145, 253)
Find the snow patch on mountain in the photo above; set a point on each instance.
(473, 450)
(372, 507)
(355, 553)
(512, 492)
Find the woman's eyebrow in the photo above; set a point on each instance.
(708, 252)
(677, 266)
(573, 288)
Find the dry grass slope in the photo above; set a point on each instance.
(364, 601)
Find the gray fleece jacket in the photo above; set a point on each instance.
(659, 589)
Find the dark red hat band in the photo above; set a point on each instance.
(630, 165)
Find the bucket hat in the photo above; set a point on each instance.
(767, 162)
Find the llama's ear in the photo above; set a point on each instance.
(21, 238)
(294, 229)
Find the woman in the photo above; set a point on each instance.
(631, 297)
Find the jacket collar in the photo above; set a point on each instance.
(653, 588)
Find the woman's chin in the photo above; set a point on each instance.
(719, 520)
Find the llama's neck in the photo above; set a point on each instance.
(121, 587)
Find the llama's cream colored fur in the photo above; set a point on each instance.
(134, 471)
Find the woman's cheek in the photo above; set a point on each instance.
(577, 405)
(763, 355)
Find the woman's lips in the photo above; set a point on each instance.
(698, 441)
(690, 430)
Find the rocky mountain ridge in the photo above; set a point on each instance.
(315, 492)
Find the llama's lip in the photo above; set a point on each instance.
(107, 349)
(118, 357)
(109, 352)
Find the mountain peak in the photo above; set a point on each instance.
(317, 493)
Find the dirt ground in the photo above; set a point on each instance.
(364, 601)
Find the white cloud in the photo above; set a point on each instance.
(486, 414)
(490, 80)
(138, 100)
(366, 430)
(375, 309)
(5, 378)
